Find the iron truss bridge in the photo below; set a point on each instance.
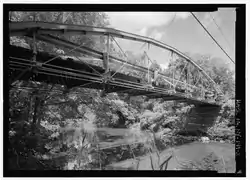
(92, 68)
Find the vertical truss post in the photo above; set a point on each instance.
(172, 57)
(34, 46)
(155, 76)
(150, 79)
(148, 74)
(202, 90)
(182, 71)
(187, 79)
(34, 60)
(34, 50)
(106, 56)
(148, 65)
(106, 75)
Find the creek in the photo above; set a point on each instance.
(191, 151)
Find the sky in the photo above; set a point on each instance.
(179, 30)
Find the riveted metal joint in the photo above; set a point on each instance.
(106, 77)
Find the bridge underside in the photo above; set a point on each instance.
(71, 73)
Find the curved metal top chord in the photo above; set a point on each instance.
(23, 28)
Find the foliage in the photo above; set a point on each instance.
(77, 18)
(36, 117)
(27, 140)
(224, 127)
(54, 130)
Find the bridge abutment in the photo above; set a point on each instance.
(201, 117)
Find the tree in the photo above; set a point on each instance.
(77, 18)
(46, 121)
(38, 110)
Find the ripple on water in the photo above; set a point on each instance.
(191, 151)
(197, 150)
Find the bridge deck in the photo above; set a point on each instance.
(70, 72)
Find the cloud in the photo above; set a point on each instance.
(149, 24)
(138, 20)
(156, 35)
(182, 15)
(141, 22)
(143, 31)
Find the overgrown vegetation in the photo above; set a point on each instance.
(50, 128)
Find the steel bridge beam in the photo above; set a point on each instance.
(89, 51)
(22, 28)
(99, 55)
(61, 70)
